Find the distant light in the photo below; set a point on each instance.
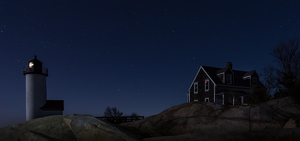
(31, 64)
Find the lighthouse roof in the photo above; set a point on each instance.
(53, 105)
(36, 60)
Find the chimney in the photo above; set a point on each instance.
(229, 64)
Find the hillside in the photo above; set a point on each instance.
(276, 119)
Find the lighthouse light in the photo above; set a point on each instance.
(31, 64)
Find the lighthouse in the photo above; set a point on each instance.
(37, 104)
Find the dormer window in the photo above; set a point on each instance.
(206, 85)
(228, 79)
(254, 81)
(195, 87)
(221, 76)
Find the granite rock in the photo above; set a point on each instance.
(198, 117)
(64, 128)
(277, 119)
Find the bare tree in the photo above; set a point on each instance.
(269, 80)
(112, 112)
(134, 114)
(287, 57)
(259, 95)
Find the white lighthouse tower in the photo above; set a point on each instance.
(37, 104)
(36, 93)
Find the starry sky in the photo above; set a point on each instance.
(137, 55)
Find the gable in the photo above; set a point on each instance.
(202, 68)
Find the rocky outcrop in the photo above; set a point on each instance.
(291, 134)
(189, 118)
(277, 119)
(64, 128)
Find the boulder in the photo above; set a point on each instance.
(64, 128)
(290, 124)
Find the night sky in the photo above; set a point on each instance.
(137, 55)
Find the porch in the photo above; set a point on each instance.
(231, 98)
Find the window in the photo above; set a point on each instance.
(228, 78)
(254, 81)
(206, 85)
(206, 100)
(195, 87)
(196, 100)
(242, 100)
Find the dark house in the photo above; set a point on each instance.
(223, 85)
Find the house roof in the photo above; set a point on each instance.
(212, 72)
(222, 70)
(36, 61)
(53, 105)
(249, 73)
(237, 76)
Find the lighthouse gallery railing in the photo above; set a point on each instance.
(26, 69)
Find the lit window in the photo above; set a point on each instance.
(196, 87)
(228, 79)
(206, 85)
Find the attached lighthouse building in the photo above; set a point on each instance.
(37, 104)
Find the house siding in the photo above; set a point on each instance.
(219, 91)
(257, 79)
(202, 94)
